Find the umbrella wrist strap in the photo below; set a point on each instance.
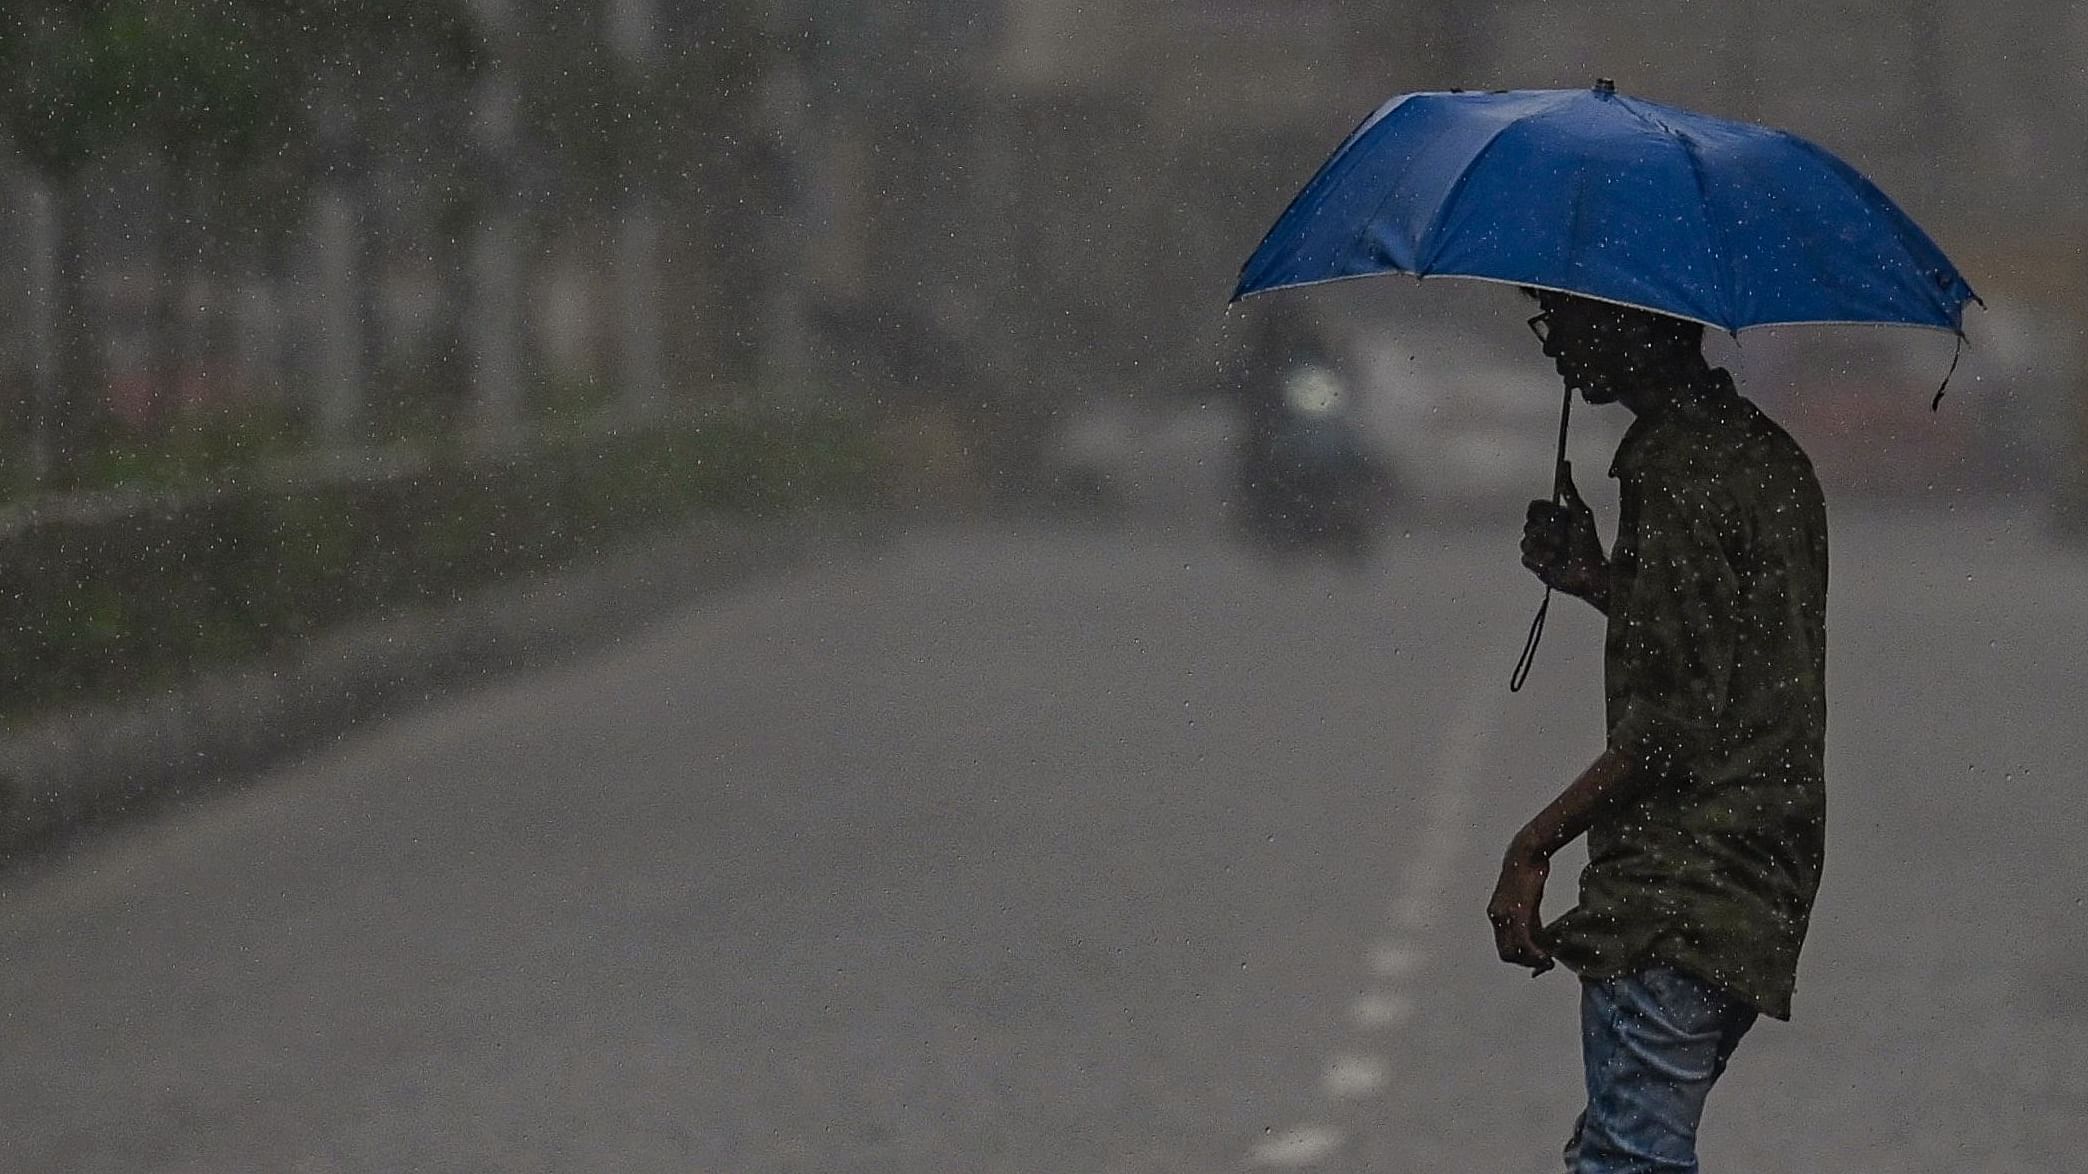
(1528, 658)
(1560, 476)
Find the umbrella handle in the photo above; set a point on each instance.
(1562, 471)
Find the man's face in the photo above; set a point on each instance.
(1593, 345)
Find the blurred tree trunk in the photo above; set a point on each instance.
(495, 321)
(714, 86)
(69, 399)
(634, 41)
(40, 265)
(258, 321)
(495, 327)
(335, 227)
(181, 244)
(163, 265)
(335, 232)
(200, 279)
(781, 122)
(638, 242)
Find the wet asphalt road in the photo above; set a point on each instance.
(1059, 848)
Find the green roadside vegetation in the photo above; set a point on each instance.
(187, 532)
(224, 547)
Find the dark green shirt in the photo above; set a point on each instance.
(1715, 682)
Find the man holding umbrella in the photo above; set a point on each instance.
(1705, 814)
(1637, 224)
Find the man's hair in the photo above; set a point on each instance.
(1676, 333)
(1660, 331)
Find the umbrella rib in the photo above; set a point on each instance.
(1911, 237)
(1354, 140)
(1722, 256)
(1391, 190)
(1457, 191)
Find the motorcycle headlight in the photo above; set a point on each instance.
(1313, 391)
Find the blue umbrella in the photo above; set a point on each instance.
(1595, 193)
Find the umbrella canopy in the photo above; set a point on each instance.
(1595, 193)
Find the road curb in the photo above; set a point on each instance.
(83, 768)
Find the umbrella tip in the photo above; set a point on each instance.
(1604, 85)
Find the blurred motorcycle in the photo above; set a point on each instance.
(1307, 478)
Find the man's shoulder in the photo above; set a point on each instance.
(1771, 460)
(1721, 443)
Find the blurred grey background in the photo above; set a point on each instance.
(669, 585)
(350, 223)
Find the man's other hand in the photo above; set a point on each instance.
(1514, 908)
(1561, 545)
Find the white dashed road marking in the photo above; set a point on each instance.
(1415, 911)
(1381, 1011)
(1421, 890)
(1416, 908)
(1393, 960)
(1350, 1077)
(1298, 1147)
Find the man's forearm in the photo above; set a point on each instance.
(1611, 779)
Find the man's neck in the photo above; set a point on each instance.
(1686, 376)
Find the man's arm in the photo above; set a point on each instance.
(1611, 779)
(1681, 646)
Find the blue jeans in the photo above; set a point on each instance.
(1654, 1043)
